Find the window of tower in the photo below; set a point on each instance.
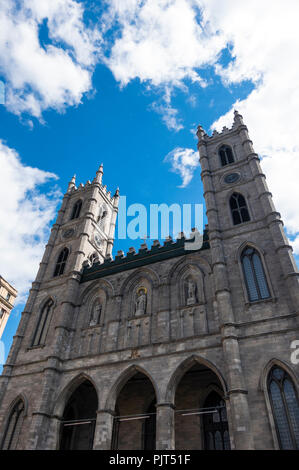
(61, 262)
(239, 209)
(76, 209)
(226, 155)
(43, 324)
(255, 279)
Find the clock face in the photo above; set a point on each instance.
(232, 178)
(97, 239)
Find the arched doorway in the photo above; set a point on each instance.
(135, 420)
(79, 417)
(200, 410)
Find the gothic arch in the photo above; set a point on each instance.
(103, 284)
(184, 272)
(283, 365)
(183, 367)
(38, 317)
(201, 264)
(211, 388)
(144, 277)
(68, 390)
(264, 388)
(15, 433)
(147, 273)
(246, 195)
(261, 253)
(122, 379)
(20, 396)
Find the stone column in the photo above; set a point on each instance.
(103, 430)
(165, 436)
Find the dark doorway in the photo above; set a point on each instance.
(135, 420)
(149, 428)
(216, 434)
(77, 428)
(197, 411)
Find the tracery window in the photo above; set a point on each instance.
(61, 262)
(13, 427)
(239, 209)
(226, 155)
(76, 209)
(285, 408)
(43, 324)
(255, 279)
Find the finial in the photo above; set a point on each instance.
(99, 174)
(238, 118)
(200, 133)
(116, 194)
(72, 183)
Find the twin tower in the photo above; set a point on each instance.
(165, 348)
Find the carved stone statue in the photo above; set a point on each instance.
(95, 314)
(140, 302)
(191, 292)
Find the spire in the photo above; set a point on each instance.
(99, 175)
(116, 198)
(200, 134)
(72, 184)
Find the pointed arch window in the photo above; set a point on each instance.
(285, 408)
(102, 217)
(76, 209)
(226, 155)
(61, 262)
(39, 337)
(238, 209)
(254, 274)
(13, 427)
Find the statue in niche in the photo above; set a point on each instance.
(190, 292)
(140, 302)
(95, 314)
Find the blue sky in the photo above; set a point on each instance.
(127, 89)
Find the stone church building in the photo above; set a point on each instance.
(164, 348)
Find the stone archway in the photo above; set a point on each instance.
(199, 410)
(135, 415)
(79, 418)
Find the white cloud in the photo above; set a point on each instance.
(41, 76)
(160, 41)
(264, 45)
(167, 42)
(25, 214)
(184, 162)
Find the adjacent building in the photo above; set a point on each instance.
(8, 296)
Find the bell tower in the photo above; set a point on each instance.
(83, 233)
(255, 275)
(84, 228)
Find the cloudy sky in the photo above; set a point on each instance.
(126, 82)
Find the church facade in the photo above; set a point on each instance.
(166, 348)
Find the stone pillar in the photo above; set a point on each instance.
(103, 430)
(165, 436)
